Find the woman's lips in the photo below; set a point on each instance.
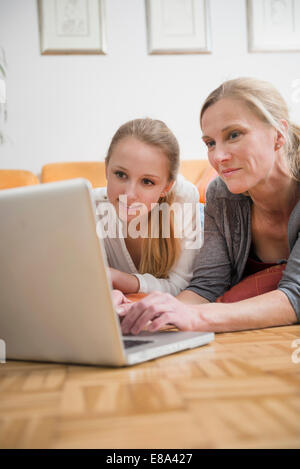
(132, 206)
(228, 172)
(131, 209)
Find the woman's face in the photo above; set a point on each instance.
(240, 146)
(137, 176)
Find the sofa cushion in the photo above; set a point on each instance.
(207, 176)
(256, 284)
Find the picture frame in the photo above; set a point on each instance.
(71, 26)
(273, 25)
(178, 27)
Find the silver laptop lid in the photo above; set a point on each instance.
(55, 299)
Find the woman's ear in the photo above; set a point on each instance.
(281, 137)
(167, 188)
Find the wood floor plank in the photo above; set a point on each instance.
(241, 391)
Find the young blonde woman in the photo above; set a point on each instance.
(252, 220)
(142, 175)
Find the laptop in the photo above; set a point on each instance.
(55, 294)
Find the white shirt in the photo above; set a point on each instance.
(180, 274)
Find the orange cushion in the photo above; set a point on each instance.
(208, 175)
(256, 284)
(192, 170)
(94, 171)
(10, 178)
(136, 296)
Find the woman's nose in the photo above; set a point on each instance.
(131, 192)
(221, 153)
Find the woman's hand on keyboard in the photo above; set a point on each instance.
(119, 298)
(155, 312)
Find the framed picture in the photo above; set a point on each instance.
(273, 25)
(71, 26)
(178, 26)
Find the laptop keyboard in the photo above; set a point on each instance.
(134, 343)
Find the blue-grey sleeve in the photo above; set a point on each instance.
(290, 282)
(212, 271)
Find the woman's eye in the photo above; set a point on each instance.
(209, 143)
(234, 134)
(148, 182)
(120, 174)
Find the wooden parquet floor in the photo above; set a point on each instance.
(241, 391)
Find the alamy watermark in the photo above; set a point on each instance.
(2, 351)
(296, 353)
(135, 221)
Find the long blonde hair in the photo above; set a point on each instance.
(158, 254)
(268, 104)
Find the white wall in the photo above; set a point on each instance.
(64, 108)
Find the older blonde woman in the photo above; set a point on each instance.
(252, 214)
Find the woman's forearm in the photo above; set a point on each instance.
(158, 309)
(267, 310)
(125, 282)
(191, 298)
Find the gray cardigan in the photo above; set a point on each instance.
(227, 240)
